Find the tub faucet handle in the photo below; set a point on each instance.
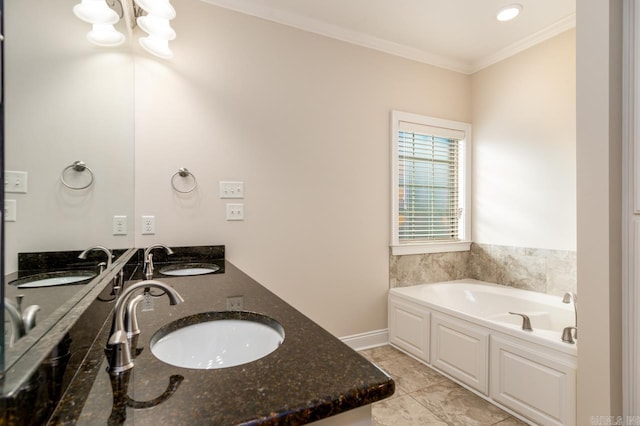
(567, 334)
(526, 322)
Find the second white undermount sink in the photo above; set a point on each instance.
(51, 279)
(217, 340)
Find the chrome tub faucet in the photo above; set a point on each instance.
(568, 298)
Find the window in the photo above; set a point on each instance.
(430, 184)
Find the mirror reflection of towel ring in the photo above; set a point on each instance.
(77, 166)
(185, 173)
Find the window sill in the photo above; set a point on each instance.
(424, 248)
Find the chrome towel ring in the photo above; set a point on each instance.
(77, 166)
(184, 173)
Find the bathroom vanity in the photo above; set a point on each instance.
(310, 377)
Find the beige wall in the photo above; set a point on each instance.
(524, 136)
(303, 120)
(599, 60)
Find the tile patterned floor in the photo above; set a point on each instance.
(424, 397)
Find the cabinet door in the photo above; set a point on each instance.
(409, 327)
(460, 349)
(539, 386)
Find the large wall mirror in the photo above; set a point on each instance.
(65, 100)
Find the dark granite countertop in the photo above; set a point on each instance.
(311, 376)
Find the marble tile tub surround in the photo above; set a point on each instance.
(541, 270)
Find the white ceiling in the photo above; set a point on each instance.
(462, 35)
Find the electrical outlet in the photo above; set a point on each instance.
(235, 303)
(148, 225)
(231, 189)
(10, 207)
(235, 211)
(15, 182)
(119, 225)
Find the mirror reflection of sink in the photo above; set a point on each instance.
(187, 269)
(50, 279)
(217, 340)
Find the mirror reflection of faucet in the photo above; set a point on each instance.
(105, 250)
(22, 321)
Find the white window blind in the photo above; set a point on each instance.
(429, 179)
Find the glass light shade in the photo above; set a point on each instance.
(157, 27)
(159, 8)
(507, 13)
(95, 12)
(156, 46)
(105, 35)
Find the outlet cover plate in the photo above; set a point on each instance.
(148, 225)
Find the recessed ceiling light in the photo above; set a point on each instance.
(507, 13)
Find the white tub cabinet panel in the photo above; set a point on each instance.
(409, 327)
(461, 350)
(539, 386)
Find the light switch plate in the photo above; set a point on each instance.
(231, 189)
(119, 225)
(235, 211)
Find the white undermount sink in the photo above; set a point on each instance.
(217, 340)
(51, 279)
(188, 269)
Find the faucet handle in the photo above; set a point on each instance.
(19, 299)
(567, 335)
(526, 323)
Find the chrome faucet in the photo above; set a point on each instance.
(568, 298)
(148, 259)
(106, 251)
(21, 321)
(119, 345)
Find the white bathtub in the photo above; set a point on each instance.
(463, 329)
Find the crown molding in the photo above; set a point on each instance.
(524, 44)
(294, 20)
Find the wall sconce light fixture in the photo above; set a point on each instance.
(152, 16)
(102, 17)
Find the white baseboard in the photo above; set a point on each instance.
(370, 339)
